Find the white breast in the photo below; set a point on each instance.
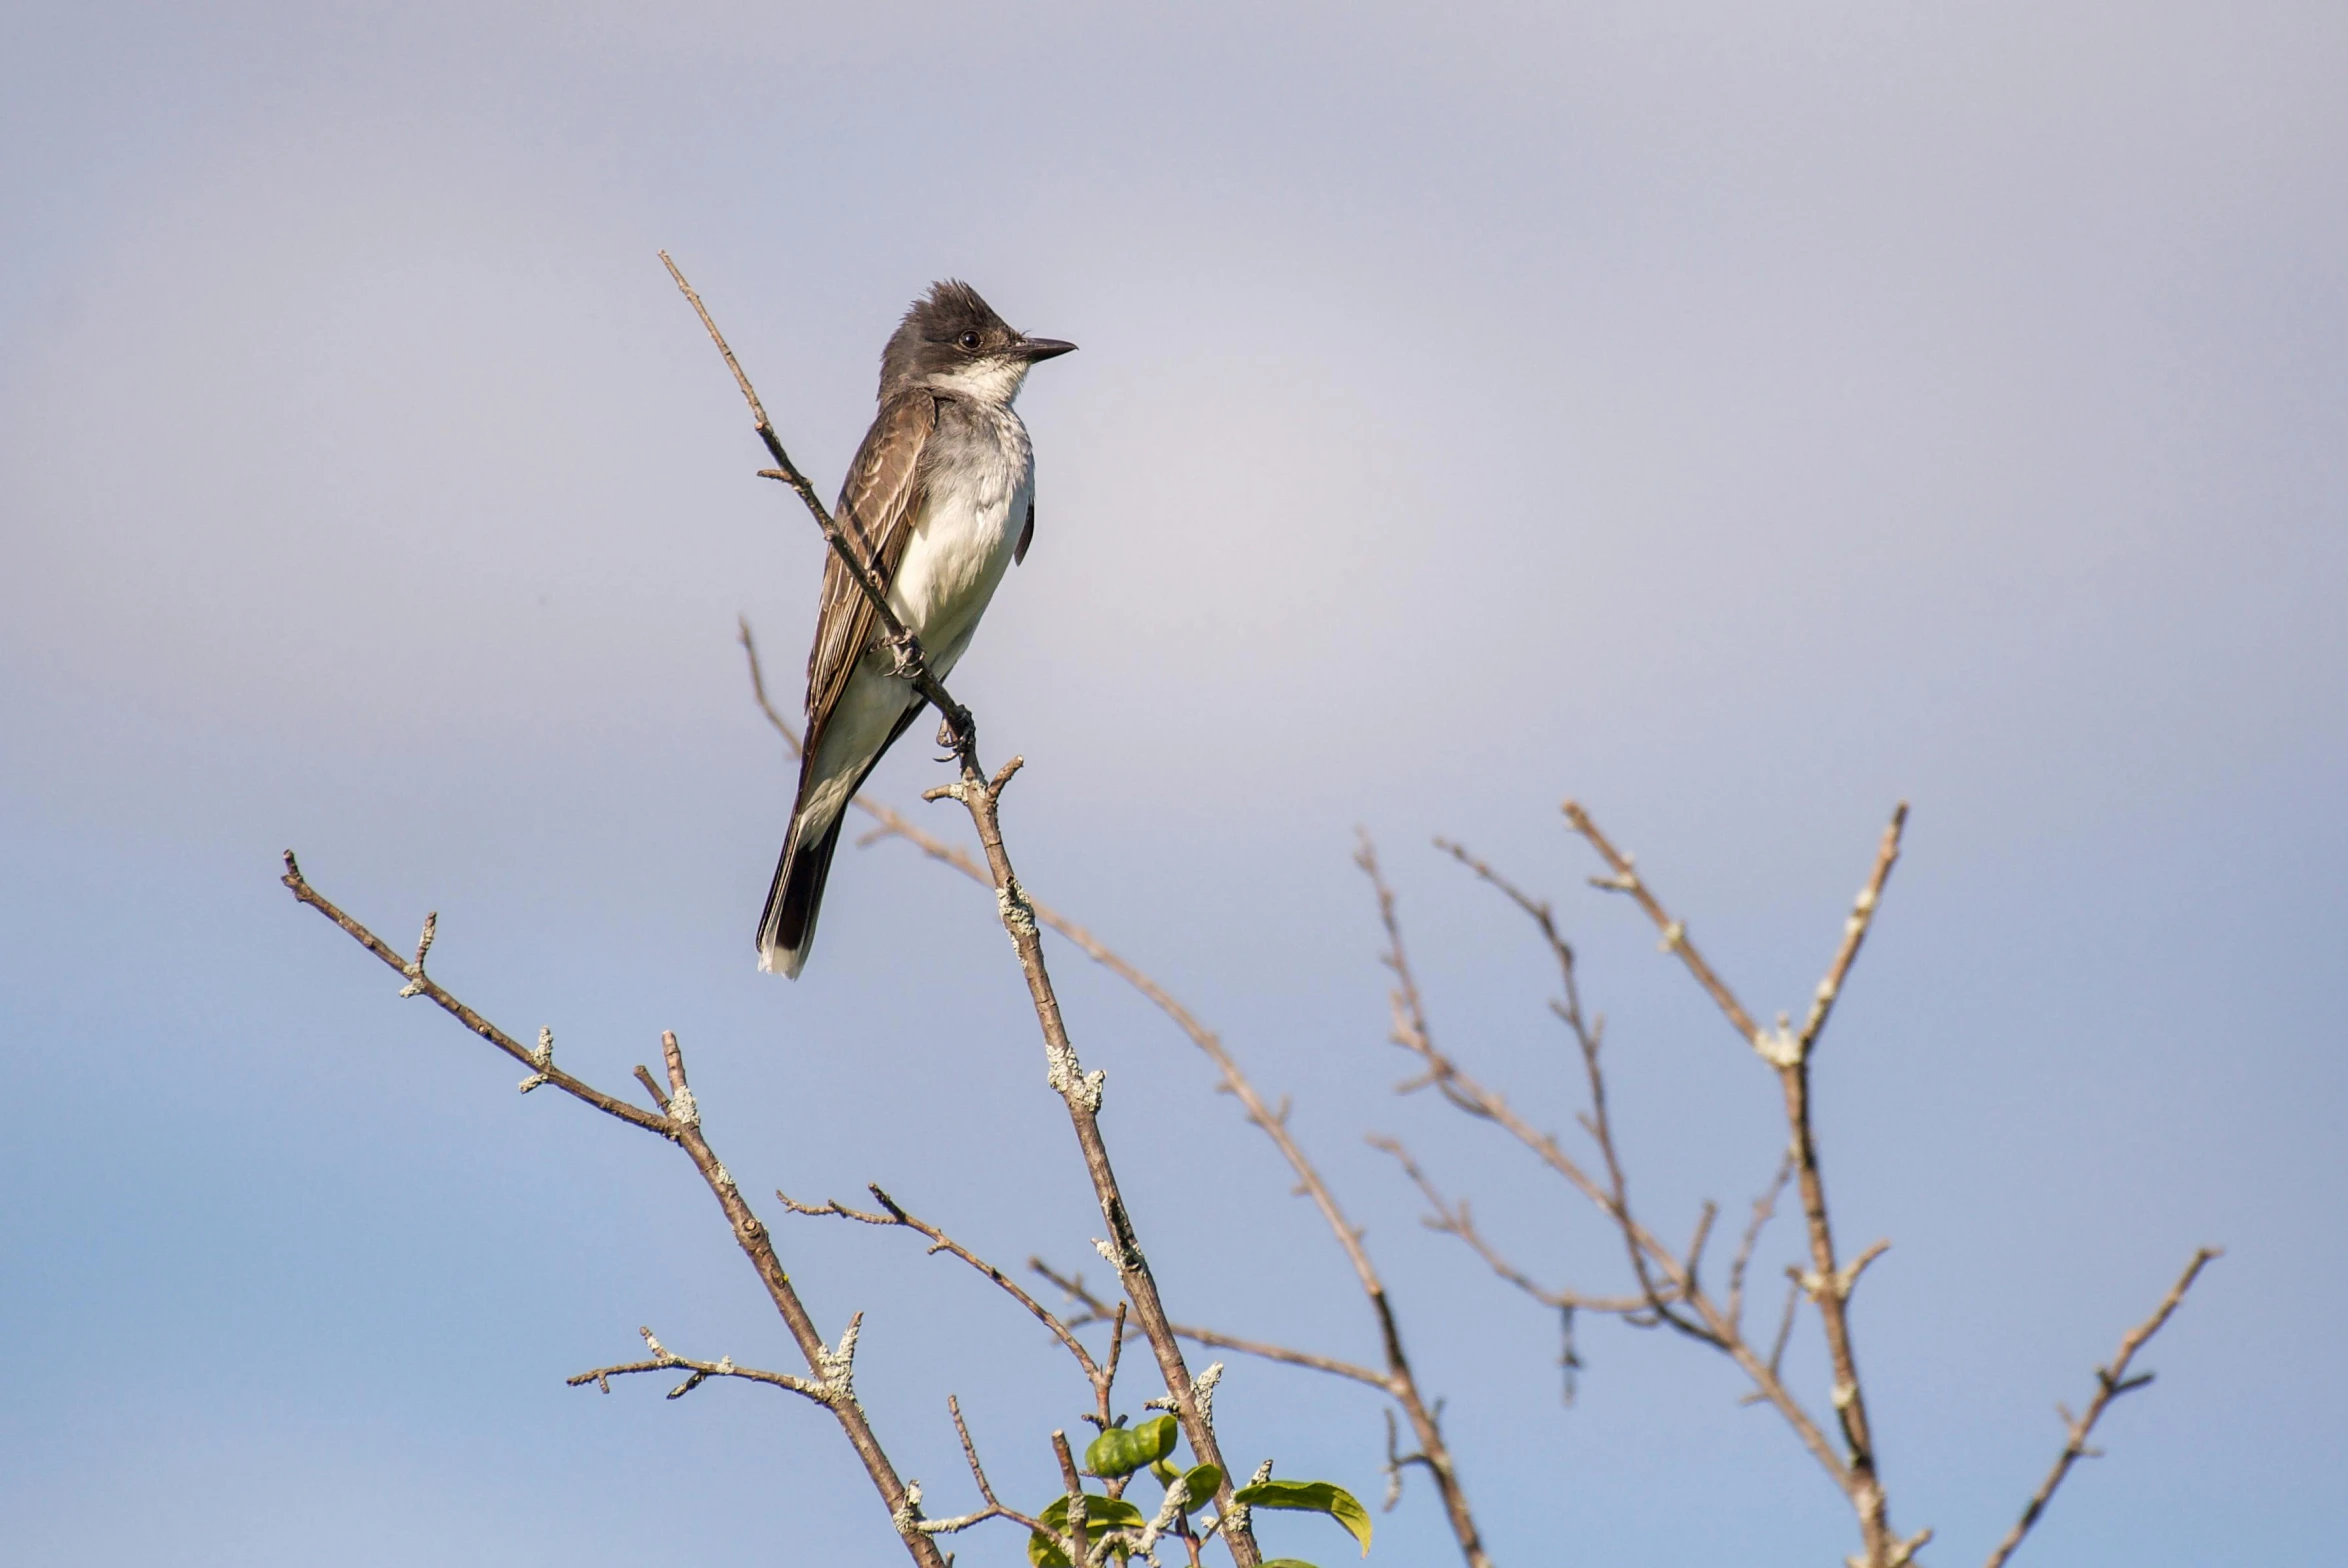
(978, 495)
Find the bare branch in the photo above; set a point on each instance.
(680, 1123)
(1673, 1284)
(2110, 1383)
(1412, 1033)
(419, 984)
(1080, 1092)
(1827, 1282)
(663, 1360)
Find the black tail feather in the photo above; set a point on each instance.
(787, 929)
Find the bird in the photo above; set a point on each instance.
(941, 499)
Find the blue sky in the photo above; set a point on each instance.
(1736, 418)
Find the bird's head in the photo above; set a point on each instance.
(953, 341)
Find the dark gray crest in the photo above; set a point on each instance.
(948, 326)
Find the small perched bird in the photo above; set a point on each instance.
(942, 497)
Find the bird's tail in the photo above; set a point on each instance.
(787, 930)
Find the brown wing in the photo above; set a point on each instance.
(881, 495)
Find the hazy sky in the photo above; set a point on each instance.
(1739, 418)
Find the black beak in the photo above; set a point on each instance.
(1035, 349)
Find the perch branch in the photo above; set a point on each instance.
(860, 562)
(981, 796)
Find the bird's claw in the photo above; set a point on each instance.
(906, 654)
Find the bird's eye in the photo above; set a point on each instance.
(968, 340)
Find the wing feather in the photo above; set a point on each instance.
(881, 496)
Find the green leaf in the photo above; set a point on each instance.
(1121, 1450)
(1201, 1482)
(1317, 1497)
(1100, 1513)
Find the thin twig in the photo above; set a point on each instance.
(1598, 1122)
(970, 1451)
(1625, 879)
(1764, 1208)
(2110, 1383)
(664, 1360)
(939, 1241)
(1097, 1311)
(1454, 1219)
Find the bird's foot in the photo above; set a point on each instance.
(908, 661)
